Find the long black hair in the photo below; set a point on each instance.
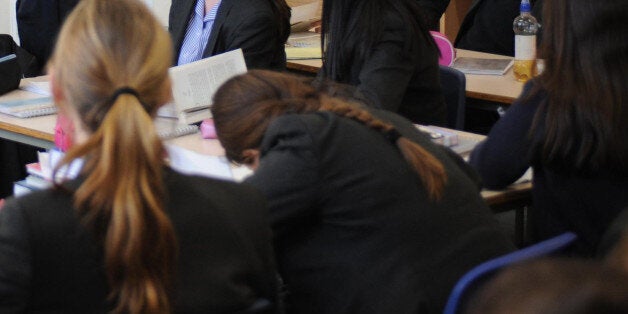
(584, 117)
(282, 11)
(351, 28)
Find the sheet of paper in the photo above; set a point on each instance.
(189, 162)
(304, 13)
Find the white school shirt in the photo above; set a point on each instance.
(197, 33)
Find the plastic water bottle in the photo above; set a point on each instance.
(525, 27)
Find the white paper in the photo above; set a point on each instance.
(66, 172)
(189, 162)
(304, 13)
(194, 84)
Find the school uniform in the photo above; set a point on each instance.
(247, 24)
(564, 200)
(51, 263)
(355, 231)
(399, 76)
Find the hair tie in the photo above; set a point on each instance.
(126, 90)
(123, 90)
(392, 135)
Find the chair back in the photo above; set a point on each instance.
(447, 54)
(481, 273)
(453, 85)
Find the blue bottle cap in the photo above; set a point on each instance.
(525, 6)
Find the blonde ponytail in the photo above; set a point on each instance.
(113, 58)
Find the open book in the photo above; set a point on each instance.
(194, 85)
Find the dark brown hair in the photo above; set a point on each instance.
(350, 29)
(245, 105)
(585, 114)
(554, 286)
(106, 45)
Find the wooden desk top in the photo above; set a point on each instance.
(500, 88)
(42, 129)
(37, 127)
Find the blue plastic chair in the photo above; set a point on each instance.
(453, 85)
(473, 278)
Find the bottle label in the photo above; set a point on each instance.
(525, 47)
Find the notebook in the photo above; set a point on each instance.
(482, 66)
(167, 129)
(304, 45)
(24, 104)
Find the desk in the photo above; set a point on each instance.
(38, 131)
(499, 88)
(517, 195)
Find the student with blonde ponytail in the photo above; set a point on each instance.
(129, 235)
(368, 215)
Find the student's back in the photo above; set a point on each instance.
(49, 260)
(356, 229)
(129, 235)
(356, 232)
(382, 48)
(569, 124)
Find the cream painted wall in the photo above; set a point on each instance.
(7, 18)
(9, 26)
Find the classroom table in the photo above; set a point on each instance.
(39, 132)
(36, 131)
(498, 88)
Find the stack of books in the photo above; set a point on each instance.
(39, 176)
(40, 173)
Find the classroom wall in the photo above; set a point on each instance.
(9, 26)
(7, 18)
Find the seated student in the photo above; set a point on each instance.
(369, 216)
(382, 47)
(38, 23)
(570, 124)
(130, 235)
(432, 12)
(487, 27)
(203, 28)
(554, 286)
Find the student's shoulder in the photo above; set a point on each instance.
(304, 123)
(48, 207)
(250, 8)
(178, 182)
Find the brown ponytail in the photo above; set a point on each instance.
(430, 170)
(254, 99)
(115, 43)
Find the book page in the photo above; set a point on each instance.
(304, 13)
(194, 84)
